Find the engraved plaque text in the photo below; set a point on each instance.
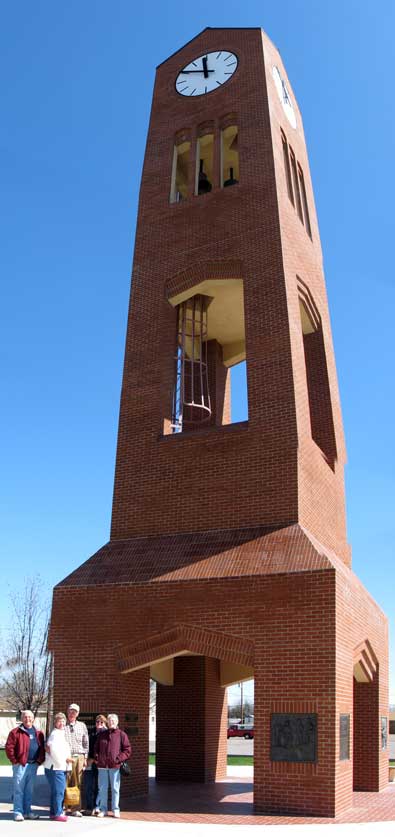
(293, 737)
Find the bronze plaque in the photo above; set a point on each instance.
(384, 732)
(293, 737)
(344, 737)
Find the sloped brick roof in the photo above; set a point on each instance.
(201, 555)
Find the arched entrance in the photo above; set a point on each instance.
(192, 668)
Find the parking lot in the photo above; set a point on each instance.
(240, 747)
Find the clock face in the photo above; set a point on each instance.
(206, 73)
(284, 97)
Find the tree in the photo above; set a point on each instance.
(236, 711)
(25, 670)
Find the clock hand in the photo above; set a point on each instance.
(205, 70)
(285, 94)
(183, 72)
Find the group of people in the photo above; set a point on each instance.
(73, 761)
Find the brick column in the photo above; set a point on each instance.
(219, 384)
(366, 736)
(191, 723)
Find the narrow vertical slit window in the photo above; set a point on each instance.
(180, 172)
(287, 169)
(239, 392)
(304, 201)
(295, 182)
(229, 156)
(204, 164)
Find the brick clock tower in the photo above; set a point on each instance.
(228, 555)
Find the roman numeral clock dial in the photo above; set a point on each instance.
(206, 73)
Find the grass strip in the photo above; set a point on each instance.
(239, 760)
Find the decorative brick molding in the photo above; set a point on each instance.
(365, 661)
(181, 638)
(203, 555)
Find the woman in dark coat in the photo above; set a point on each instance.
(112, 747)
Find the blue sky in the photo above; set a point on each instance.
(77, 85)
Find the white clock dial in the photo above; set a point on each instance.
(284, 97)
(206, 73)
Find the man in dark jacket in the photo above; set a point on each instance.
(111, 749)
(25, 750)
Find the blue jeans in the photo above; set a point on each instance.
(90, 787)
(109, 776)
(57, 785)
(24, 776)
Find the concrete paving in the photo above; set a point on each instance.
(140, 828)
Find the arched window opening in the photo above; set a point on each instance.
(204, 164)
(210, 341)
(180, 172)
(296, 187)
(229, 156)
(320, 405)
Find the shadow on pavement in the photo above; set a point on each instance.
(40, 795)
(220, 798)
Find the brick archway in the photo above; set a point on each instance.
(192, 666)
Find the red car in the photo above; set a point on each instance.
(241, 731)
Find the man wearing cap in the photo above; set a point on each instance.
(77, 736)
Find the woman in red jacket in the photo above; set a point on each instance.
(112, 747)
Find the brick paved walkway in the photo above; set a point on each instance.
(230, 802)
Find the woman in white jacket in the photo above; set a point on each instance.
(57, 761)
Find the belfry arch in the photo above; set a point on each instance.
(206, 311)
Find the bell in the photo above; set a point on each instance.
(231, 180)
(204, 184)
(191, 395)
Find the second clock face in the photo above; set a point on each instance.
(284, 97)
(206, 73)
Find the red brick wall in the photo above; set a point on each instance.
(366, 736)
(191, 743)
(303, 642)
